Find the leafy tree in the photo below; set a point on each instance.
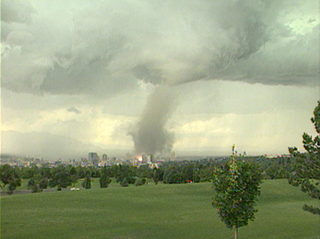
(29, 172)
(86, 182)
(38, 183)
(45, 172)
(204, 174)
(73, 175)
(237, 188)
(95, 173)
(114, 170)
(61, 178)
(126, 172)
(276, 171)
(12, 186)
(104, 181)
(124, 183)
(157, 175)
(144, 171)
(10, 177)
(81, 172)
(175, 174)
(33, 186)
(43, 183)
(188, 171)
(306, 170)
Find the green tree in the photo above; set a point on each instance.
(45, 172)
(33, 186)
(87, 182)
(306, 168)
(175, 173)
(126, 172)
(10, 177)
(61, 178)
(237, 186)
(73, 175)
(157, 175)
(104, 181)
(144, 171)
(204, 174)
(124, 183)
(276, 171)
(37, 183)
(43, 183)
(104, 178)
(29, 172)
(81, 172)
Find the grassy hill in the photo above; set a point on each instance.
(150, 211)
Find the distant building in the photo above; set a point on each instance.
(147, 158)
(93, 158)
(104, 157)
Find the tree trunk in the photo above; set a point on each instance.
(236, 233)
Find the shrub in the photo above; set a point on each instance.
(104, 181)
(124, 183)
(140, 181)
(86, 183)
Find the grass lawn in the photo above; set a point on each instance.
(150, 211)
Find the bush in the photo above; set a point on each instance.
(124, 183)
(140, 181)
(104, 181)
(173, 175)
(86, 183)
(33, 186)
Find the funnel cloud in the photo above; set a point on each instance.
(151, 135)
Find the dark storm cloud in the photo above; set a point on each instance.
(104, 48)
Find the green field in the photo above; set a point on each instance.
(150, 211)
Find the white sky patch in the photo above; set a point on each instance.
(302, 19)
(272, 131)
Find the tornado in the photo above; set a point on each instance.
(150, 135)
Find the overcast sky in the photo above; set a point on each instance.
(151, 76)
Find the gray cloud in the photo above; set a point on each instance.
(103, 48)
(19, 11)
(74, 110)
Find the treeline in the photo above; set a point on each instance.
(173, 172)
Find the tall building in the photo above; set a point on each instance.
(104, 157)
(147, 158)
(93, 158)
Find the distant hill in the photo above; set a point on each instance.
(45, 145)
